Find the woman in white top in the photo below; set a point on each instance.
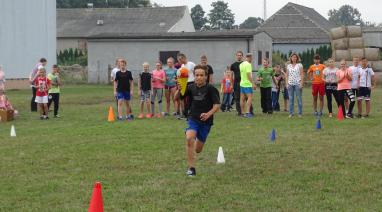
(331, 84)
(295, 83)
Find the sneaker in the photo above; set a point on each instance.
(359, 116)
(349, 116)
(191, 172)
(320, 114)
(175, 113)
(366, 116)
(315, 113)
(46, 117)
(158, 115)
(119, 118)
(290, 116)
(141, 116)
(330, 115)
(129, 118)
(249, 115)
(57, 116)
(41, 117)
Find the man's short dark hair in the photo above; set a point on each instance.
(363, 58)
(43, 60)
(203, 67)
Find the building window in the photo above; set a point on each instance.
(267, 55)
(164, 55)
(259, 58)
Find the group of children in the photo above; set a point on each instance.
(45, 89)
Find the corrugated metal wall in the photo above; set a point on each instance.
(27, 33)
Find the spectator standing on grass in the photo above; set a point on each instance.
(54, 91)
(247, 85)
(330, 79)
(158, 83)
(316, 75)
(170, 86)
(344, 78)
(123, 89)
(295, 83)
(266, 76)
(113, 75)
(42, 85)
(32, 77)
(184, 102)
(276, 88)
(367, 82)
(226, 88)
(204, 61)
(144, 86)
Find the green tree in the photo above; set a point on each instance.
(198, 17)
(345, 15)
(251, 23)
(221, 17)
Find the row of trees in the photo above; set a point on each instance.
(324, 51)
(220, 17)
(71, 56)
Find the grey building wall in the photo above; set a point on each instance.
(102, 53)
(262, 45)
(27, 33)
(185, 24)
(298, 48)
(373, 39)
(67, 43)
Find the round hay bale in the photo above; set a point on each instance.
(356, 43)
(341, 44)
(341, 54)
(354, 31)
(360, 53)
(337, 33)
(376, 65)
(372, 54)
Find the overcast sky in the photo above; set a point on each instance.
(371, 10)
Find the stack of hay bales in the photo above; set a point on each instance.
(347, 42)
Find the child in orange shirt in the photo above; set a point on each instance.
(316, 74)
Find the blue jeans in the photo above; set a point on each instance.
(226, 101)
(275, 100)
(292, 90)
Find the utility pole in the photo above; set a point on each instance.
(265, 10)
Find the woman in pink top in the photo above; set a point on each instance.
(157, 84)
(344, 78)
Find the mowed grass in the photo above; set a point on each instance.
(52, 165)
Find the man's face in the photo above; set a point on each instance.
(181, 60)
(316, 61)
(239, 56)
(146, 68)
(200, 77)
(44, 63)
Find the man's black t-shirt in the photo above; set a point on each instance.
(202, 100)
(145, 81)
(123, 81)
(235, 67)
(210, 71)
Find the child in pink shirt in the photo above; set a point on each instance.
(344, 78)
(157, 84)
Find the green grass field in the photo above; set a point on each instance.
(52, 165)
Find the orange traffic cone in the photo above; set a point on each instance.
(340, 114)
(96, 204)
(111, 117)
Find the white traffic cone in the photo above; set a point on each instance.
(13, 131)
(220, 158)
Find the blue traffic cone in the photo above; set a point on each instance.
(318, 125)
(272, 137)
